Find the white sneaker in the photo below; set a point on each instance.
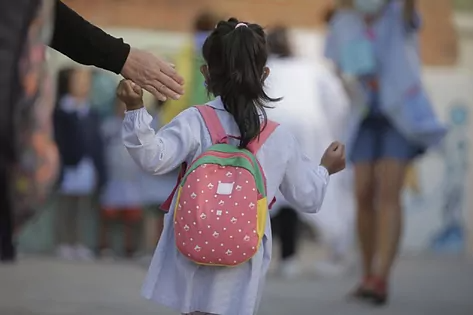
(289, 268)
(66, 252)
(83, 253)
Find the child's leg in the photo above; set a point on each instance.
(107, 218)
(289, 236)
(153, 226)
(132, 219)
(67, 220)
(86, 219)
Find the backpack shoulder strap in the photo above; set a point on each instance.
(216, 130)
(217, 134)
(256, 144)
(266, 132)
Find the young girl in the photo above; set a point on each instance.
(83, 174)
(235, 54)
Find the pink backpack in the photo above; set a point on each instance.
(221, 207)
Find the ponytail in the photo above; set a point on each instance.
(236, 58)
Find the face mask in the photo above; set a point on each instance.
(368, 7)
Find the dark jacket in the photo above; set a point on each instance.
(79, 137)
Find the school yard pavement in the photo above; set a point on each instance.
(45, 286)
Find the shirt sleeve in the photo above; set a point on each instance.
(163, 151)
(304, 183)
(85, 43)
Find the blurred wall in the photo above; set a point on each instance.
(439, 40)
(464, 24)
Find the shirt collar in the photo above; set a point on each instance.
(70, 104)
(216, 103)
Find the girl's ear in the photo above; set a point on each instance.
(266, 72)
(204, 69)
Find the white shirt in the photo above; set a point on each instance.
(172, 279)
(315, 108)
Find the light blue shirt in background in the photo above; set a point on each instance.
(394, 59)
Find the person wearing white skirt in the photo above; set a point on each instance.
(315, 108)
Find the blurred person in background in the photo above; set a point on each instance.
(156, 189)
(29, 160)
(313, 107)
(188, 64)
(374, 45)
(121, 202)
(77, 130)
(284, 218)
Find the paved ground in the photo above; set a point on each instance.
(44, 286)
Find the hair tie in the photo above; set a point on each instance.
(241, 24)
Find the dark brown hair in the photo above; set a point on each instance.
(278, 42)
(236, 58)
(205, 22)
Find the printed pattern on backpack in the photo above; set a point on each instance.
(221, 207)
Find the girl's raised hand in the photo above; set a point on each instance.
(130, 94)
(334, 158)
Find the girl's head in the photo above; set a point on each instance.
(76, 82)
(63, 79)
(80, 83)
(235, 54)
(279, 43)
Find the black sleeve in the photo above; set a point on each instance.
(85, 43)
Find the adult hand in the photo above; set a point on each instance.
(334, 158)
(153, 74)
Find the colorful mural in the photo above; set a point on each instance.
(435, 189)
(451, 235)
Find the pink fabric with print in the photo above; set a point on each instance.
(216, 218)
(216, 214)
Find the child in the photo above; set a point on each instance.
(120, 200)
(155, 190)
(79, 140)
(235, 54)
(305, 112)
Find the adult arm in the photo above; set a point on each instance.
(89, 45)
(85, 43)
